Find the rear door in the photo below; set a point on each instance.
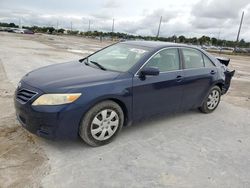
(162, 93)
(199, 73)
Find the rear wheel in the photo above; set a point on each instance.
(212, 100)
(101, 123)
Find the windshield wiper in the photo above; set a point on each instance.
(97, 64)
(86, 62)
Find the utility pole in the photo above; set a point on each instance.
(218, 37)
(159, 28)
(57, 26)
(113, 25)
(71, 26)
(238, 35)
(20, 23)
(89, 26)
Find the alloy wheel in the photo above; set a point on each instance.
(213, 99)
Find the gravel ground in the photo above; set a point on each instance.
(182, 150)
(22, 159)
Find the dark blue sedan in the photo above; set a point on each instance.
(98, 95)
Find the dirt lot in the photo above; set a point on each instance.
(22, 160)
(239, 93)
(183, 150)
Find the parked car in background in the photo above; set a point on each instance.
(240, 50)
(27, 31)
(22, 31)
(120, 84)
(17, 30)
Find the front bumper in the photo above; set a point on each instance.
(44, 125)
(53, 122)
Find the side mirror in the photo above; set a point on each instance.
(149, 71)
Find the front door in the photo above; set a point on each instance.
(161, 93)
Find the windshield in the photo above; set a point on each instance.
(119, 57)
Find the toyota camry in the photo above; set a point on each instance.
(96, 96)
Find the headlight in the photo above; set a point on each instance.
(56, 99)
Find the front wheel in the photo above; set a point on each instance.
(212, 100)
(101, 123)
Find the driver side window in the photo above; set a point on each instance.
(165, 60)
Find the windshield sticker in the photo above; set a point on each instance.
(136, 50)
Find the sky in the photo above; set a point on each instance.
(191, 18)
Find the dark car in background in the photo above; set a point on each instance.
(122, 83)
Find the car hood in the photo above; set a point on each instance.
(66, 76)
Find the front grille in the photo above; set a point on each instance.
(24, 95)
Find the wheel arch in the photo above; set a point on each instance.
(121, 103)
(123, 107)
(220, 85)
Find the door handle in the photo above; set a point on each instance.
(212, 72)
(179, 78)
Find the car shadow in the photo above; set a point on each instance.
(157, 120)
(156, 123)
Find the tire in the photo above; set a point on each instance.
(211, 101)
(101, 123)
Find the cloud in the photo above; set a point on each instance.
(192, 18)
(206, 23)
(102, 15)
(219, 9)
(148, 24)
(110, 4)
(213, 17)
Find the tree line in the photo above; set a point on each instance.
(204, 40)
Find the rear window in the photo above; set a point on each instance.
(207, 61)
(193, 58)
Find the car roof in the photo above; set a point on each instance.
(156, 44)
